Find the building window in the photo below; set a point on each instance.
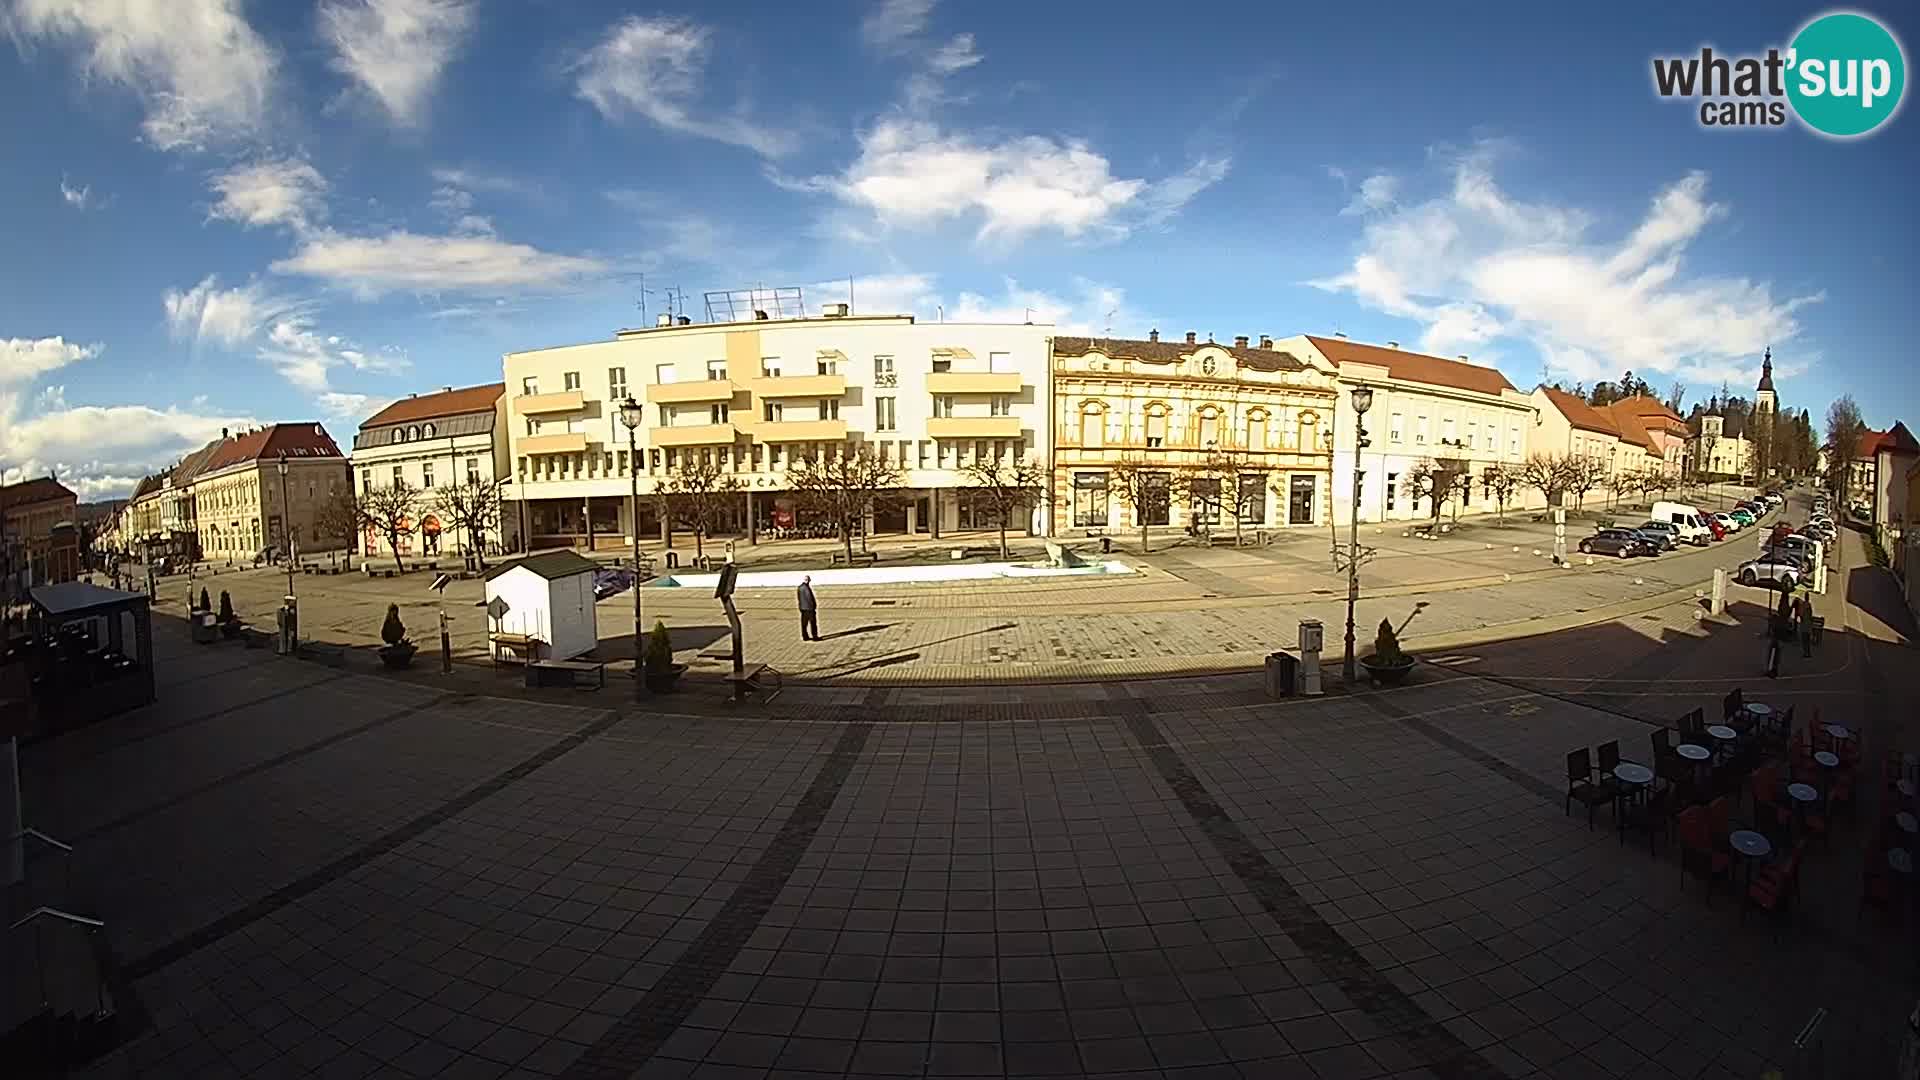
(1447, 431)
(426, 474)
(1309, 431)
(770, 367)
(397, 478)
(943, 405)
(1300, 500)
(366, 483)
(1156, 426)
(1257, 430)
(530, 385)
(1392, 477)
(923, 453)
(1252, 503)
(1152, 508)
(716, 370)
(617, 383)
(1473, 432)
(428, 431)
(1203, 495)
(1420, 431)
(883, 372)
(473, 470)
(1395, 427)
(1002, 405)
(773, 412)
(533, 425)
(829, 408)
(413, 433)
(999, 361)
(883, 418)
(942, 364)
(1093, 425)
(826, 365)
(666, 415)
(1209, 427)
(663, 374)
(1089, 500)
(570, 380)
(717, 413)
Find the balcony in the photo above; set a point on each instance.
(565, 442)
(800, 386)
(784, 431)
(975, 382)
(688, 393)
(564, 401)
(691, 435)
(974, 427)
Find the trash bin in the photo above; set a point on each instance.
(1282, 669)
(1106, 545)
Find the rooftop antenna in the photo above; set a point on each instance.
(1029, 316)
(1110, 322)
(644, 293)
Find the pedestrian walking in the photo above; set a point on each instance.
(809, 611)
(1803, 619)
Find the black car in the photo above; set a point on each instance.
(1624, 543)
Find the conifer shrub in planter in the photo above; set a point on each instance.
(660, 672)
(229, 623)
(1387, 664)
(398, 651)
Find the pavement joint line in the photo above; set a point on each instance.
(1430, 1043)
(386, 842)
(636, 1037)
(259, 767)
(152, 733)
(1465, 749)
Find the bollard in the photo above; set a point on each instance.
(446, 647)
(1718, 606)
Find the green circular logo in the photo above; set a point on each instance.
(1845, 74)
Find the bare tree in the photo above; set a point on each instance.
(1224, 482)
(1550, 474)
(1147, 488)
(845, 487)
(1009, 485)
(339, 519)
(697, 494)
(1619, 483)
(1583, 475)
(1499, 482)
(389, 511)
(1845, 429)
(472, 507)
(1437, 480)
(1677, 396)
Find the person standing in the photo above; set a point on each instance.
(809, 611)
(1803, 620)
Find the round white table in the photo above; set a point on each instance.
(1632, 772)
(1907, 822)
(1803, 793)
(1906, 788)
(1839, 731)
(1759, 709)
(1751, 844)
(1723, 732)
(1826, 758)
(1900, 860)
(1692, 752)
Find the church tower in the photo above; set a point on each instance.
(1763, 398)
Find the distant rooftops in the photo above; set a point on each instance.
(447, 402)
(1414, 367)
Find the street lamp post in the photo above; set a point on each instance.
(1362, 401)
(631, 415)
(286, 522)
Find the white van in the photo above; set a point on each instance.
(1691, 523)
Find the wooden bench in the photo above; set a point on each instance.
(867, 557)
(565, 673)
(748, 679)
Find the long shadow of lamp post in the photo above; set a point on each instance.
(1353, 557)
(631, 415)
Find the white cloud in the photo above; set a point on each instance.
(880, 294)
(652, 68)
(1090, 309)
(1375, 195)
(1475, 264)
(473, 180)
(396, 50)
(80, 198)
(101, 451)
(912, 174)
(24, 359)
(351, 407)
(893, 23)
(270, 192)
(410, 262)
(307, 358)
(230, 317)
(201, 70)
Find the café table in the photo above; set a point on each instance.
(1907, 822)
(1752, 846)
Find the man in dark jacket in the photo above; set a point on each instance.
(809, 611)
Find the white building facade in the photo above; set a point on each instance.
(435, 442)
(756, 398)
(1424, 408)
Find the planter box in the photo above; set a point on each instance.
(1385, 675)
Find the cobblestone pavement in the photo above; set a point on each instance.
(309, 872)
(1187, 609)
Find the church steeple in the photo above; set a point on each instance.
(1763, 394)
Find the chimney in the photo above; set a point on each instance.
(665, 318)
(412, 396)
(759, 316)
(1153, 335)
(1463, 356)
(1341, 334)
(1393, 344)
(225, 434)
(446, 389)
(1266, 342)
(1240, 342)
(685, 320)
(1190, 336)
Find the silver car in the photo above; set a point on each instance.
(1772, 571)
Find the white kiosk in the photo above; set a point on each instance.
(544, 605)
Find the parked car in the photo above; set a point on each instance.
(1624, 543)
(1771, 571)
(1820, 532)
(1718, 530)
(1664, 536)
(1727, 522)
(1744, 517)
(1690, 523)
(1789, 544)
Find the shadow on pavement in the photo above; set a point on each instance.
(1877, 592)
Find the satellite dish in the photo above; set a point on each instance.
(440, 583)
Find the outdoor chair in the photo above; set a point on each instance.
(1776, 889)
(1661, 747)
(1720, 819)
(1771, 817)
(1609, 757)
(1696, 846)
(1732, 706)
(1581, 785)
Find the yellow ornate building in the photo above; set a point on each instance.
(1174, 406)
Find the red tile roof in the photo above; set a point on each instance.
(298, 441)
(1896, 440)
(37, 490)
(1579, 413)
(445, 403)
(1642, 405)
(1415, 367)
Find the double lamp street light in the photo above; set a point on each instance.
(631, 415)
(1362, 401)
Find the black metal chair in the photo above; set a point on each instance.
(1581, 785)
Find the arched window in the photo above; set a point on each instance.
(1257, 429)
(1156, 425)
(1209, 427)
(413, 433)
(428, 431)
(1093, 424)
(1309, 432)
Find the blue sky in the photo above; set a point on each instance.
(227, 211)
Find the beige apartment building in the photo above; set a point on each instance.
(1178, 405)
(241, 505)
(433, 442)
(754, 398)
